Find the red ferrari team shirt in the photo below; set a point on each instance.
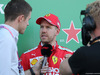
(30, 57)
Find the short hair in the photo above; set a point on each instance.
(94, 10)
(15, 8)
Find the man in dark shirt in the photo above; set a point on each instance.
(86, 61)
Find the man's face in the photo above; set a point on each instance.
(48, 32)
(23, 25)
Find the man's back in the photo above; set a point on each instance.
(86, 60)
(92, 56)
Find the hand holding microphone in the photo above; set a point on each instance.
(37, 67)
(46, 51)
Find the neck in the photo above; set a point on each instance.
(12, 24)
(95, 40)
(52, 43)
(95, 33)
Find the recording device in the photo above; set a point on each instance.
(46, 51)
(88, 25)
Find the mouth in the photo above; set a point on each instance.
(43, 36)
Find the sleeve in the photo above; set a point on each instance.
(24, 62)
(77, 61)
(6, 47)
(69, 52)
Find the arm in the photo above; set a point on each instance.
(37, 68)
(28, 72)
(64, 66)
(75, 64)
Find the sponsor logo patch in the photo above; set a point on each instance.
(33, 61)
(55, 59)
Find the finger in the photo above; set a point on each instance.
(47, 64)
(40, 61)
(45, 67)
(67, 55)
(44, 70)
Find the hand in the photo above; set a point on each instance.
(45, 69)
(37, 67)
(67, 56)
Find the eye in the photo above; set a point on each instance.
(41, 26)
(48, 26)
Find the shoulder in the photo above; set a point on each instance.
(82, 49)
(30, 50)
(28, 53)
(5, 34)
(81, 52)
(64, 49)
(6, 37)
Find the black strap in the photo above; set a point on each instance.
(32, 72)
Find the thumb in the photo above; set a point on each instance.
(41, 60)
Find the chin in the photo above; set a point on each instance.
(21, 32)
(44, 41)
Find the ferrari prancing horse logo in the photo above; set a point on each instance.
(55, 59)
(47, 15)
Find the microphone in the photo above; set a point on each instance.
(46, 51)
(83, 12)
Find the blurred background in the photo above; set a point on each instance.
(68, 12)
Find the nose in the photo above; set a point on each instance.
(27, 24)
(44, 29)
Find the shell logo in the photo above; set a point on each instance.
(34, 61)
(41, 58)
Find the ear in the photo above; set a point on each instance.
(58, 30)
(21, 18)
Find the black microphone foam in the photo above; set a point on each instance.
(46, 50)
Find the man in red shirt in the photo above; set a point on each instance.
(49, 29)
